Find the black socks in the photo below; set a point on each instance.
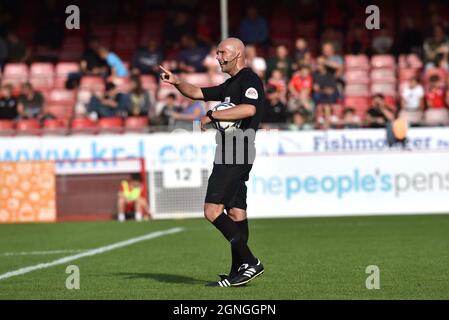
(236, 233)
(236, 260)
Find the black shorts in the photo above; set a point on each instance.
(227, 185)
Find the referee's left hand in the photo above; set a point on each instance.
(204, 121)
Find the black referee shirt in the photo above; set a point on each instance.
(243, 88)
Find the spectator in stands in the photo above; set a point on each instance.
(204, 30)
(138, 100)
(176, 28)
(8, 103)
(278, 81)
(168, 109)
(436, 49)
(3, 52)
(332, 61)
(350, 119)
(324, 85)
(436, 112)
(211, 64)
(256, 63)
(91, 64)
(112, 104)
(379, 115)
(192, 55)
(116, 65)
(17, 50)
(31, 104)
(383, 42)
(146, 60)
(281, 61)
(192, 112)
(358, 42)
(254, 28)
(131, 199)
(410, 38)
(275, 111)
(302, 54)
(300, 88)
(300, 121)
(412, 101)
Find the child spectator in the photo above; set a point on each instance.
(350, 119)
(436, 113)
(138, 100)
(278, 82)
(131, 199)
(300, 88)
(412, 102)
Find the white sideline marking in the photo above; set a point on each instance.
(39, 253)
(89, 253)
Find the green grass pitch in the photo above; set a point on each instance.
(304, 258)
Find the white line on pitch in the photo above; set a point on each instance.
(41, 253)
(89, 253)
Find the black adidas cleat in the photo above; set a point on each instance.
(246, 273)
(225, 282)
(223, 276)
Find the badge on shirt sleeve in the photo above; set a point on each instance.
(251, 93)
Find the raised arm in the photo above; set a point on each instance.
(186, 89)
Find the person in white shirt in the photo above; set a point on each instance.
(257, 64)
(412, 102)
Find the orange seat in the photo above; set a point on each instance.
(136, 124)
(383, 61)
(6, 127)
(28, 127)
(83, 126)
(55, 126)
(357, 62)
(110, 125)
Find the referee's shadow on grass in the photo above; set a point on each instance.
(161, 277)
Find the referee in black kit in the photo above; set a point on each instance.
(234, 154)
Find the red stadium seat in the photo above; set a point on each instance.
(149, 82)
(407, 74)
(356, 76)
(383, 61)
(383, 75)
(123, 84)
(92, 83)
(62, 96)
(6, 127)
(28, 127)
(42, 75)
(83, 126)
(15, 74)
(357, 89)
(55, 126)
(410, 61)
(60, 111)
(358, 103)
(136, 124)
(357, 62)
(387, 89)
(110, 125)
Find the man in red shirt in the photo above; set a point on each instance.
(300, 87)
(436, 113)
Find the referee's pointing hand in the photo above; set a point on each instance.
(168, 77)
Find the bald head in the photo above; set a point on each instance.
(231, 55)
(234, 44)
